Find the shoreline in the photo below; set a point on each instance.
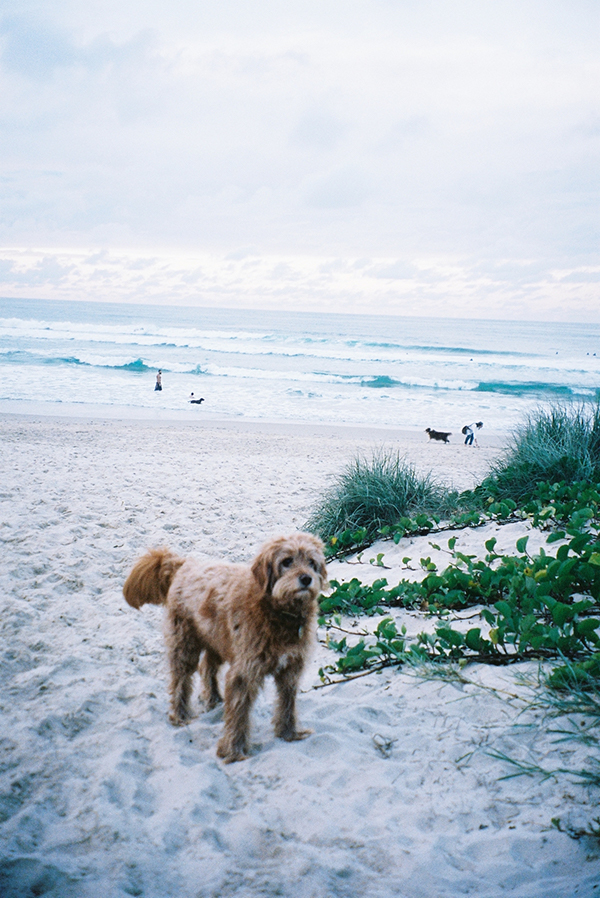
(87, 413)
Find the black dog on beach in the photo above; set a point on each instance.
(440, 435)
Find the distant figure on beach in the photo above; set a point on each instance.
(158, 384)
(195, 401)
(470, 433)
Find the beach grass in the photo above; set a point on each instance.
(553, 445)
(559, 444)
(373, 493)
(575, 687)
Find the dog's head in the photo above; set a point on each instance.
(291, 571)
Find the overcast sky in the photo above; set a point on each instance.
(384, 156)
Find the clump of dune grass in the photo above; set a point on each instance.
(561, 443)
(582, 680)
(377, 492)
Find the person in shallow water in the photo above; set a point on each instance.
(158, 384)
(470, 433)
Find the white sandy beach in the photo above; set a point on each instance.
(395, 794)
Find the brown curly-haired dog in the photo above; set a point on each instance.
(259, 618)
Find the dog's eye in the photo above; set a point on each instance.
(314, 565)
(287, 562)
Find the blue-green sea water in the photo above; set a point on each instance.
(284, 366)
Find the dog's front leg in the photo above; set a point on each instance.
(284, 719)
(241, 689)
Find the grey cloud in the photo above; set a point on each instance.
(513, 271)
(581, 277)
(339, 189)
(404, 131)
(48, 270)
(283, 271)
(6, 270)
(318, 130)
(141, 263)
(101, 256)
(193, 277)
(244, 252)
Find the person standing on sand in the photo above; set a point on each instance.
(158, 384)
(470, 433)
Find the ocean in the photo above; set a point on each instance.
(365, 370)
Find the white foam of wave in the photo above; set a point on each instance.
(156, 340)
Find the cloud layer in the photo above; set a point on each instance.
(450, 146)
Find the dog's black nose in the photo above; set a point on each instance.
(305, 580)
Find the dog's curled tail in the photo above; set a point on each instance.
(150, 578)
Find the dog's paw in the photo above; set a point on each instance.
(228, 754)
(211, 703)
(231, 759)
(294, 735)
(179, 720)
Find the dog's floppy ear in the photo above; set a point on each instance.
(318, 545)
(262, 569)
(323, 570)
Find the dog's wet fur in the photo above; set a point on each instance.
(260, 619)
